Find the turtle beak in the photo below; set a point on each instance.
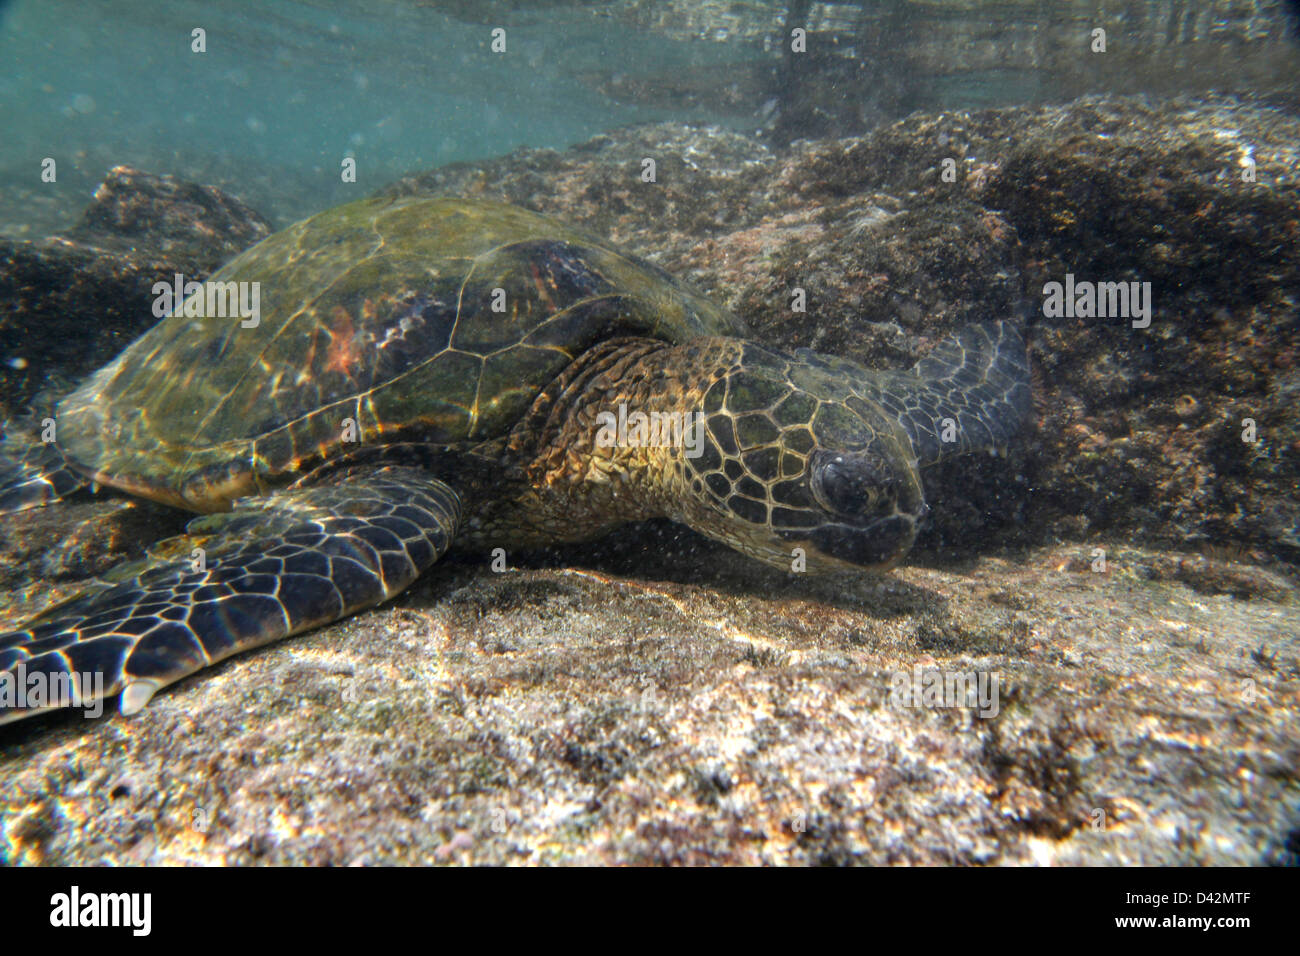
(879, 544)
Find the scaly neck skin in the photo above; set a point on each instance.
(576, 485)
(797, 461)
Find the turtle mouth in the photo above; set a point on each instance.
(872, 544)
(871, 511)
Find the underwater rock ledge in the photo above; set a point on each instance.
(71, 302)
(721, 715)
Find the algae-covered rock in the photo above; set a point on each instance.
(709, 713)
(70, 303)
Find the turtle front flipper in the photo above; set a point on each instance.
(270, 568)
(971, 393)
(34, 476)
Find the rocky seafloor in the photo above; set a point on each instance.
(1127, 569)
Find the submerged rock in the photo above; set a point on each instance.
(70, 303)
(169, 214)
(707, 711)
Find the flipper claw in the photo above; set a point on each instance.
(137, 695)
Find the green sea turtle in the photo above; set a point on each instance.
(424, 371)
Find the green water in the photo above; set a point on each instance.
(286, 90)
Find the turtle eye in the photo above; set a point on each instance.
(848, 485)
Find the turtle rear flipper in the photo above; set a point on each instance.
(268, 569)
(34, 476)
(970, 393)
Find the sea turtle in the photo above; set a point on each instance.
(424, 371)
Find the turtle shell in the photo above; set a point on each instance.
(414, 319)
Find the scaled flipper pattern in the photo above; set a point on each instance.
(971, 393)
(272, 567)
(34, 476)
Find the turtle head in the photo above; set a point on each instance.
(870, 505)
(795, 464)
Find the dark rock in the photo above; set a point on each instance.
(709, 181)
(169, 215)
(70, 304)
